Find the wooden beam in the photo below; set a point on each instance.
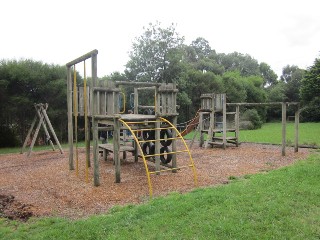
(262, 104)
(82, 58)
(29, 134)
(43, 109)
(142, 84)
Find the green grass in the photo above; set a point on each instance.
(281, 204)
(272, 133)
(269, 133)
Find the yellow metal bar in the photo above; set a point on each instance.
(184, 142)
(75, 114)
(143, 157)
(150, 129)
(85, 113)
(162, 154)
(124, 103)
(160, 139)
(170, 169)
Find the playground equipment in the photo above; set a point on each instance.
(214, 109)
(212, 118)
(41, 114)
(284, 106)
(152, 133)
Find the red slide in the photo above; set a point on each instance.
(191, 125)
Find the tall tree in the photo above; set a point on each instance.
(292, 76)
(201, 47)
(243, 63)
(269, 76)
(150, 55)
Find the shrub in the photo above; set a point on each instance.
(252, 116)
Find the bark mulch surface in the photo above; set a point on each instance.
(42, 184)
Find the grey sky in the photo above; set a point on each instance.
(278, 32)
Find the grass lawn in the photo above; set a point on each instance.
(272, 133)
(281, 204)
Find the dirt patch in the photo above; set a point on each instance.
(42, 184)
(14, 210)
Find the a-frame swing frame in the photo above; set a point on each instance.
(41, 114)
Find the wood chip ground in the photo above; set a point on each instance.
(45, 185)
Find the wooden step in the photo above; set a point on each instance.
(227, 138)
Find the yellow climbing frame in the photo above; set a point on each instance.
(144, 157)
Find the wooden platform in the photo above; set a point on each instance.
(137, 117)
(108, 147)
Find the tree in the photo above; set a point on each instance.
(292, 76)
(201, 47)
(24, 83)
(310, 89)
(243, 63)
(269, 76)
(150, 55)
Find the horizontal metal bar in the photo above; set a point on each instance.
(151, 129)
(160, 139)
(162, 154)
(170, 169)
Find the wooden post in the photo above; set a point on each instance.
(95, 143)
(136, 101)
(29, 134)
(224, 121)
(237, 123)
(296, 132)
(70, 123)
(35, 135)
(39, 111)
(200, 129)
(284, 111)
(116, 149)
(50, 127)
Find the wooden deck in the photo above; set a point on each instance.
(108, 147)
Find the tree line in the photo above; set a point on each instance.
(160, 55)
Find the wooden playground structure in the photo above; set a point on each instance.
(154, 136)
(44, 121)
(212, 120)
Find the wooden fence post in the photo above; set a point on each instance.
(284, 120)
(296, 132)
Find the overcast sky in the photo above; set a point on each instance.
(278, 32)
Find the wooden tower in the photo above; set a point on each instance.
(213, 121)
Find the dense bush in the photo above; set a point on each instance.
(252, 116)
